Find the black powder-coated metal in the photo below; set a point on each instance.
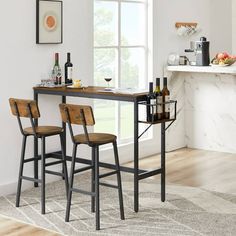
(72, 93)
(122, 214)
(108, 174)
(31, 179)
(36, 165)
(82, 169)
(136, 156)
(108, 185)
(149, 173)
(138, 173)
(63, 144)
(57, 155)
(21, 171)
(95, 204)
(42, 175)
(64, 164)
(93, 180)
(163, 162)
(97, 201)
(71, 181)
(83, 191)
(53, 163)
(50, 172)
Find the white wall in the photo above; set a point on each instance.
(221, 26)
(234, 26)
(23, 62)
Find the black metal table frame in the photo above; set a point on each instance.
(138, 173)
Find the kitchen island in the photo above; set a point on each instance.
(207, 106)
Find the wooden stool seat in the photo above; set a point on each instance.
(43, 130)
(95, 138)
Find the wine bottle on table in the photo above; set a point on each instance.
(57, 70)
(159, 101)
(150, 103)
(166, 99)
(68, 70)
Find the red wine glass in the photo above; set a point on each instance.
(108, 79)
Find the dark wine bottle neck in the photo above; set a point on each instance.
(56, 59)
(164, 82)
(150, 87)
(157, 82)
(68, 57)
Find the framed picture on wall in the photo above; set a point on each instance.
(49, 21)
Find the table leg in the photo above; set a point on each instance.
(63, 100)
(64, 126)
(136, 158)
(36, 147)
(163, 162)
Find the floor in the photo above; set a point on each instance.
(188, 167)
(9, 227)
(197, 168)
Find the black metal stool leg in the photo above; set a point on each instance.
(93, 181)
(122, 215)
(63, 171)
(71, 183)
(97, 188)
(64, 165)
(21, 171)
(43, 175)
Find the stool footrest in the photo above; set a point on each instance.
(83, 169)
(53, 173)
(108, 185)
(31, 179)
(108, 174)
(83, 191)
(54, 163)
(149, 174)
(32, 159)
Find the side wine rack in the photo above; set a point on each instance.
(152, 108)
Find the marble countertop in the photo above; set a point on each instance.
(204, 69)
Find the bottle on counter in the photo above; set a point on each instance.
(166, 98)
(159, 101)
(68, 70)
(56, 71)
(151, 100)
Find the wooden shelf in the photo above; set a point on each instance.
(185, 24)
(156, 122)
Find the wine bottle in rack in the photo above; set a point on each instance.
(57, 70)
(151, 99)
(159, 101)
(166, 99)
(68, 70)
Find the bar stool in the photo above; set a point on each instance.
(29, 109)
(83, 115)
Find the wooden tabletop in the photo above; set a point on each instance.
(92, 92)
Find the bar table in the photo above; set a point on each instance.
(100, 93)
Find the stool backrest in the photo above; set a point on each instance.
(77, 114)
(24, 108)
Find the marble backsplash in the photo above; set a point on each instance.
(206, 111)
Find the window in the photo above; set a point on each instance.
(121, 52)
